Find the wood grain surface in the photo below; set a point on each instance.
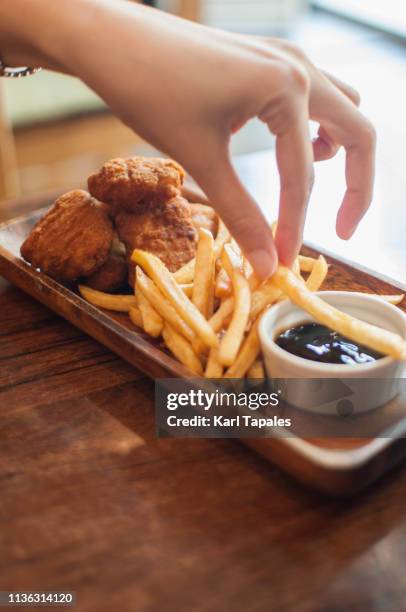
(93, 502)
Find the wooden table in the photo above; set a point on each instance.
(92, 501)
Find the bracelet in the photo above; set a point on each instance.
(16, 73)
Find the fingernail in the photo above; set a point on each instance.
(263, 262)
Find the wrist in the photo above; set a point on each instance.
(31, 34)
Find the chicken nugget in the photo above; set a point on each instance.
(73, 239)
(164, 229)
(129, 184)
(111, 276)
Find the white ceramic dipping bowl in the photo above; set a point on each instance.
(372, 384)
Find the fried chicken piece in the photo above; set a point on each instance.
(73, 239)
(165, 229)
(111, 276)
(204, 216)
(126, 184)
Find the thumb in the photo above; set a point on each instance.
(242, 216)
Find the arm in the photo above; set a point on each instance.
(186, 88)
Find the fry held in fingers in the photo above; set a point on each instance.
(374, 337)
(262, 297)
(318, 274)
(306, 263)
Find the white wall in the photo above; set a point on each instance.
(257, 16)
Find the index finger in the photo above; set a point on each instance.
(294, 155)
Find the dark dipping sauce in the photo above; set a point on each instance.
(319, 343)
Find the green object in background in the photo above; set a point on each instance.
(46, 96)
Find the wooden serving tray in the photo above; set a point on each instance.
(339, 466)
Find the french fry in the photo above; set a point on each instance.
(223, 287)
(248, 269)
(232, 339)
(268, 294)
(223, 236)
(250, 275)
(374, 337)
(306, 263)
(224, 312)
(181, 349)
(256, 370)
(231, 260)
(265, 295)
(187, 289)
(186, 273)
(118, 303)
(164, 280)
(318, 274)
(296, 272)
(146, 286)
(202, 295)
(152, 322)
(135, 316)
(234, 335)
(214, 369)
(247, 355)
(217, 322)
(296, 268)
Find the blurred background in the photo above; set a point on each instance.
(54, 131)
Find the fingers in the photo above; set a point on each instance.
(295, 163)
(348, 127)
(323, 146)
(351, 93)
(242, 216)
(359, 171)
(193, 193)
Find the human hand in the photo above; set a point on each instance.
(186, 88)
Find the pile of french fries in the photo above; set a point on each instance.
(207, 313)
